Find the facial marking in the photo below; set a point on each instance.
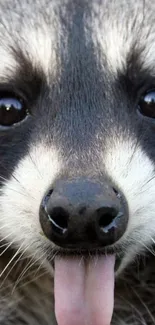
(132, 170)
(22, 194)
(40, 46)
(8, 64)
(120, 30)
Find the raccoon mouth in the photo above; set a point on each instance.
(84, 287)
(86, 255)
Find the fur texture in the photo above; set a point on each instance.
(81, 66)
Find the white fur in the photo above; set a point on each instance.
(113, 46)
(40, 46)
(8, 64)
(126, 164)
(131, 169)
(114, 34)
(21, 197)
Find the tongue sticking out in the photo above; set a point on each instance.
(84, 293)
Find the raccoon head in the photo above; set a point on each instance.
(77, 109)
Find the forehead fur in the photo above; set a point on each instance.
(121, 29)
(42, 31)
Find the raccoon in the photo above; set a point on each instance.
(77, 162)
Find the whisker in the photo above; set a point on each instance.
(144, 305)
(6, 277)
(25, 193)
(31, 263)
(18, 259)
(4, 245)
(16, 191)
(33, 279)
(148, 181)
(16, 253)
(6, 248)
(4, 238)
(28, 265)
(148, 248)
(35, 271)
(35, 165)
(152, 240)
(133, 307)
(6, 225)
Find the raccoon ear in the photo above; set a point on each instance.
(147, 104)
(12, 109)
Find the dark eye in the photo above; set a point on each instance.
(147, 104)
(12, 109)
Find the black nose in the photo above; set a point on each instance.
(83, 214)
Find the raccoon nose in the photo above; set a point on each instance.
(83, 214)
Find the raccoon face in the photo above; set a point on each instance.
(77, 108)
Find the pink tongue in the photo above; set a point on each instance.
(84, 293)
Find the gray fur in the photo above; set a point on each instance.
(79, 47)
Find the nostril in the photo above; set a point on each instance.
(59, 219)
(82, 213)
(106, 218)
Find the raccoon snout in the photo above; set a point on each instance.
(83, 214)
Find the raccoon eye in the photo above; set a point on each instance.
(147, 104)
(12, 109)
